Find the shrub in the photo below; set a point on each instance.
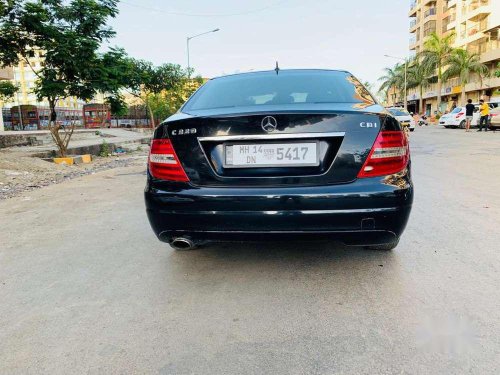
(104, 150)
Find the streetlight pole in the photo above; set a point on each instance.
(187, 46)
(406, 79)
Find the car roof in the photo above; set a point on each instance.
(282, 70)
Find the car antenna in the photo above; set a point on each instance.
(277, 69)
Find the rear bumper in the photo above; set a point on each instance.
(366, 212)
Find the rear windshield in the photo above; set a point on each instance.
(286, 87)
(398, 112)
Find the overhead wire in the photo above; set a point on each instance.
(187, 14)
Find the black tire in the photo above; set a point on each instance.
(462, 125)
(412, 130)
(384, 247)
(446, 126)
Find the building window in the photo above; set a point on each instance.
(429, 28)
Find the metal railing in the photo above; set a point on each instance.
(483, 47)
(477, 4)
(478, 28)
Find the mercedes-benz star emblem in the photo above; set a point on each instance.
(269, 124)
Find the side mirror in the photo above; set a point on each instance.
(476, 110)
(411, 113)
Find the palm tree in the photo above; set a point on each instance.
(393, 77)
(462, 64)
(418, 76)
(436, 53)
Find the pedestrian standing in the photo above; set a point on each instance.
(469, 114)
(484, 110)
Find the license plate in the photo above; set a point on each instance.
(271, 155)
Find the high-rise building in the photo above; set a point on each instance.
(24, 76)
(476, 26)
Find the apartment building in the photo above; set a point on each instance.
(25, 77)
(476, 25)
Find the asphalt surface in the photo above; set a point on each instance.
(85, 287)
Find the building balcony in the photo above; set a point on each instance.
(485, 84)
(413, 24)
(474, 33)
(490, 51)
(6, 73)
(478, 10)
(413, 8)
(429, 31)
(430, 12)
(425, 2)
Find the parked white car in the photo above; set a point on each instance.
(403, 116)
(456, 118)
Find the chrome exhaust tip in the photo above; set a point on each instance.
(181, 243)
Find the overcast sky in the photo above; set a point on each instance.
(352, 35)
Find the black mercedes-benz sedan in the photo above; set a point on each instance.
(280, 155)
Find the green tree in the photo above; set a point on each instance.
(7, 91)
(117, 106)
(393, 78)
(168, 102)
(148, 82)
(418, 76)
(436, 53)
(69, 34)
(462, 64)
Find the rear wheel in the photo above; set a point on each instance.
(384, 247)
(462, 125)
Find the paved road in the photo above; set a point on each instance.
(85, 287)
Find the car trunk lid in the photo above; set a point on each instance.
(341, 139)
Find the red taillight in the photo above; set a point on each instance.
(164, 163)
(390, 154)
(459, 114)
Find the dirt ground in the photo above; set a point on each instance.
(20, 173)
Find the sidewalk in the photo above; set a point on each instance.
(81, 139)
